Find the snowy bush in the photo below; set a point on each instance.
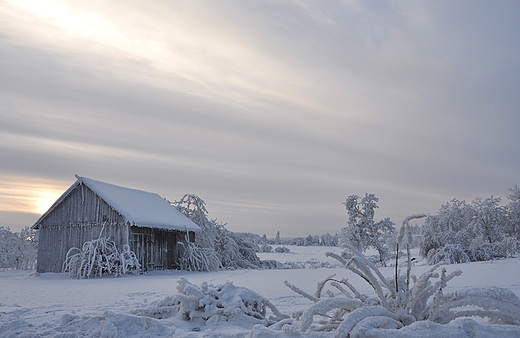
(484, 229)
(272, 264)
(450, 253)
(194, 258)
(265, 248)
(100, 256)
(235, 253)
(282, 249)
(18, 250)
(508, 247)
(210, 304)
(217, 245)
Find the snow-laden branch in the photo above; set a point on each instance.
(325, 305)
(300, 291)
(100, 256)
(211, 303)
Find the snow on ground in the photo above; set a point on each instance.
(302, 254)
(52, 305)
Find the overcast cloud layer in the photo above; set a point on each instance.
(272, 111)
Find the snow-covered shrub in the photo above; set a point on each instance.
(272, 264)
(509, 246)
(282, 249)
(231, 250)
(362, 231)
(194, 208)
(484, 229)
(194, 258)
(128, 261)
(210, 304)
(265, 248)
(351, 313)
(100, 256)
(18, 250)
(513, 213)
(450, 253)
(234, 252)
(481, 251)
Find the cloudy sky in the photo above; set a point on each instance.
(273, 112)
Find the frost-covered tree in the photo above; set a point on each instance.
(328, 240)
(277, 238)
(234, 252)
(513, 213)
(299, 241)
(193, 207)
(18, 250)
(200, 256)
(217, 246)
(489, 219)
(482, 230)
(362, 231)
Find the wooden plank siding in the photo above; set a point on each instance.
(156, 248)
(82, 216)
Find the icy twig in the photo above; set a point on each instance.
(300, 291)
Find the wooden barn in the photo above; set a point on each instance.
(90, 208)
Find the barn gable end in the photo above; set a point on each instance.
(82, 213)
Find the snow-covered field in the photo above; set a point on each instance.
(52, 305)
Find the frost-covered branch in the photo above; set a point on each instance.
(325, 305)
(217, 246)
(100, 256)
(194, 258)
(300, 291)
(498, 304)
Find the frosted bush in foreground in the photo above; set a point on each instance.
(404, 304)
(210, 304)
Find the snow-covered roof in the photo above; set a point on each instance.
(141, 208)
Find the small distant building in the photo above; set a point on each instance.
(90, 209)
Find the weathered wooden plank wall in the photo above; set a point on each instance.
(80, 217)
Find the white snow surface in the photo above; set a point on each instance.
(144, 209)
(52, 305)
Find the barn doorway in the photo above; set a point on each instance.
(156, 249)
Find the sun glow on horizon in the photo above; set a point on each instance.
(45, 200)
(22, 194)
